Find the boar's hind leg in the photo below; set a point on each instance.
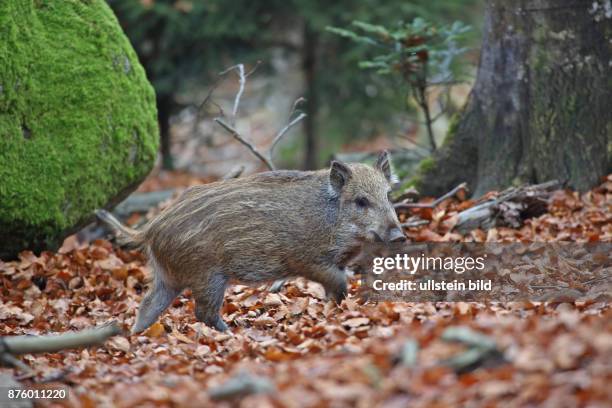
(208, 297)
(154, 303)
(333, 280)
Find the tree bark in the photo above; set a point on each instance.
(540, 108)
(164, 111)
(309, 66)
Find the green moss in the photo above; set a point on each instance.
(77, 118)
(452, 129)
(413, 182)
(426, 165)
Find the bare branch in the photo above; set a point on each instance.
(225, 71)
(433, 204)
(239, 68)
(10, 360)
(297, 103)
(246, 143)
(510, 208)
(248, 74)
(48, 344)
(283, 131)
(414, 223)
(208, 96)
(242, 81)
(265, 157)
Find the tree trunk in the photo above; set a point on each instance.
(309, 66)
(164, 111)
(541, 105)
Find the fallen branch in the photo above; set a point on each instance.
(15, 345)
(510, 208)
(414, 223)
(7, 359)
(433, 204)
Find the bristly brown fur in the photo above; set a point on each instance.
(262, 228)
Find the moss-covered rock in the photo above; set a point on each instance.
(78, 127)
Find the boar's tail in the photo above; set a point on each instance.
(126, 236)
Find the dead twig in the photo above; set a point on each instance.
(15, 345)
(11, 346)
(433, 204)
(414, 223)
(207, 99)
(246, 143)
(10, 360)
(282, 132)
(242, 82)
(510, 208)
(264, 157)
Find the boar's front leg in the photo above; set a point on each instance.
(208, 297)
(333, 280)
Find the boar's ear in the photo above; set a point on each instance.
(384, 165)
(339, 174)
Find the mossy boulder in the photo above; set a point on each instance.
(78, 127)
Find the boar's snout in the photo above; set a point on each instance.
(396, 235)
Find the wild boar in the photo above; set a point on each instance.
(261, 228)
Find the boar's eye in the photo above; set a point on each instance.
(362, 202)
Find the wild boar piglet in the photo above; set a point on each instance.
(261, 228)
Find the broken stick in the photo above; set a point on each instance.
(15, 345)
(510, 208)
(433, 204)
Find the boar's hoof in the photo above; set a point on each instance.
(340, 295)
(216, 323)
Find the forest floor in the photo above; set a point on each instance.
(302, 350)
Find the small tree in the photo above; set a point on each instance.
(420, 53)
(182, 43)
